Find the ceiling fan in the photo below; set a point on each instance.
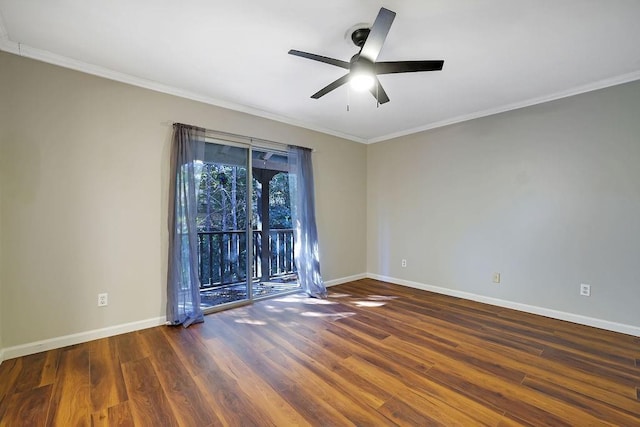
(363, 68)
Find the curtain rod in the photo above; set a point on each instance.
(242, 138)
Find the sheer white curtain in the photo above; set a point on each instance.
(183, 283)
(303, 209)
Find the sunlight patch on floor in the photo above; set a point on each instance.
(338, 295)
(369, 303)
(305, 300)
(332, 315)
(251, 322)
(382, 297)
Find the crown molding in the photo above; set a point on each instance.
(7, 45)
(26, 51)
(601, 84)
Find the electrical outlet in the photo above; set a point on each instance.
(585, 290)
(103, 299)
(404, 262)
(496, 277)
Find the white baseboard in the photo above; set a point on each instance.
(63, 341)
(50, 344)
(342, 280)
(554, 314)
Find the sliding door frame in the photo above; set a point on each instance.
(249, 144)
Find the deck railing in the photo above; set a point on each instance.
(222, 256)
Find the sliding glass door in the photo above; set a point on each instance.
(224, 213)
(245, 236)
(274, 266)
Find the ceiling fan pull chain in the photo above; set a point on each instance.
(348, 98)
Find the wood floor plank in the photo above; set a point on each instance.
(107, 383)
(118, 415)
(229, 401)
(239, 366)
(326, 365)
(486, 391)
(349, 398)
(129, 347)
(454, 353)
(578, 338)
(604, 390)
(434, 410)
(544, 367)
(401, 413)
(596, 353)
(264, 398)
(71, 401)
(626, 381)
(28, 408)
(343, 409)
(448, 331)
(187, 402)
(9, 373)
(100, 418)
(291, 382)
(385, 356)
(190, 347)
(31, 373)
(372, 353)
(149, 405)
(600, 410)
(483, 414)
(484, 386)
(247, 379)
(50, 368)
(425, 316)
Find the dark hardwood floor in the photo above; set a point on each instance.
(372, 354)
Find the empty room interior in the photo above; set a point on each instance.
(476, 208)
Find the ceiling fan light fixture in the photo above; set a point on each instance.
(361, 74)
(362, 81)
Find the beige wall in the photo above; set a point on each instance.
(549, 196)
(84, 173)
(2, 127)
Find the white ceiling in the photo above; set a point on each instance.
(499, 54)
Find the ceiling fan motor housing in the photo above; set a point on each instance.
(359, 36)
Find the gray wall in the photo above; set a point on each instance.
(83, 202)
(549, 196)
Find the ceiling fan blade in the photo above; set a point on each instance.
(379, 30)
(378, 93)
(319, 58)
(336, 84)
(407, 66)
